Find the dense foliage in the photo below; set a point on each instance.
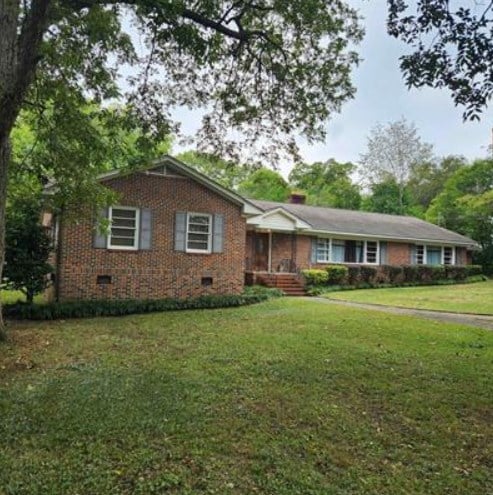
(28, 249)
(86, 309)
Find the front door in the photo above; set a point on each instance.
(261, 252)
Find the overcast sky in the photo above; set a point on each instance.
(383, 97)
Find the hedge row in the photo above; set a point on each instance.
(316, 290)
(388, 274)
(85, 309)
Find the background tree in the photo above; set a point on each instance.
(392, 153)
(388, 197)
(466, 206)
(261, 69)
(226, 172)
(28, 249)
(265, 184)
(327, 183)
(452, 48)
(427, 179)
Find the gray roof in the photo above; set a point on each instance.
(361, 223)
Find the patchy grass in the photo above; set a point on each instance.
(286, 397)
(465, 298)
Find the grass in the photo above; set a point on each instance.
(466, 298)
(286, 397)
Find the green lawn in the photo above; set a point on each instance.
(287, 397)
(465, 298)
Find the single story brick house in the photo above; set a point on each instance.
(177, 233)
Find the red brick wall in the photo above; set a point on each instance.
(398, 253)
(159, 272)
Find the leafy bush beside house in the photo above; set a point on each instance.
(388, 275)
(28, 247)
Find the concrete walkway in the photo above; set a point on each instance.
(480, 321)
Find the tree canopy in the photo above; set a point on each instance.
(393, 150)
(327, 183)
(452, 48)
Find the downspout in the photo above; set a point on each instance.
(269, 254)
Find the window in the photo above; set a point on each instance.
(346, 251)
(371, 251)
(323, 250)
(199, 233)
(433, 255)
(124, 228)
(448, 255)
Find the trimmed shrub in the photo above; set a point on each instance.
(88, 309)
(315, 277)
(457, 273)
(336, 274)
(269, 292)
(411, 273)
(354, 275)
(473, 270)
(368, 274)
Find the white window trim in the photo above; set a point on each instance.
(365, 245)
(209, 235)
(135, 246)
(442, 255)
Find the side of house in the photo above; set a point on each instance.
(170, 236)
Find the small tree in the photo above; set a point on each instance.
(28, 248)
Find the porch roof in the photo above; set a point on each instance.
(374, 225)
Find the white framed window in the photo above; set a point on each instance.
(199, 233)
(124, 227)
(427, 254)
(448, 255)
(347, 251)
(371, 252)
(420, 254)
(323, 250)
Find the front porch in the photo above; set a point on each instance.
(274, 259)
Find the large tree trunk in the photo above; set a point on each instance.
(21, 34)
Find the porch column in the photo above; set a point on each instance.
(269, 253)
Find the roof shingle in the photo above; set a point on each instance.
(338, 221)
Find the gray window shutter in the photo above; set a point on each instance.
(145, 239)
(313, 257)
(383, 253)
(180, 231)
(218, 233)
(412, 253)
(100, 239)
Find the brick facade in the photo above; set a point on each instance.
(161, 271)
(297, 247)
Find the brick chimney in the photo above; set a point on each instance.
(297, 198)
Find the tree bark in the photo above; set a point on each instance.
(21, 35)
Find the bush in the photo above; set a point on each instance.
(87, 309)
(336, 274)
(473, 270)
(457, 273)
(411, 273)
(315, 277)
(354, 275)
(368, 274)
(269, 292)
